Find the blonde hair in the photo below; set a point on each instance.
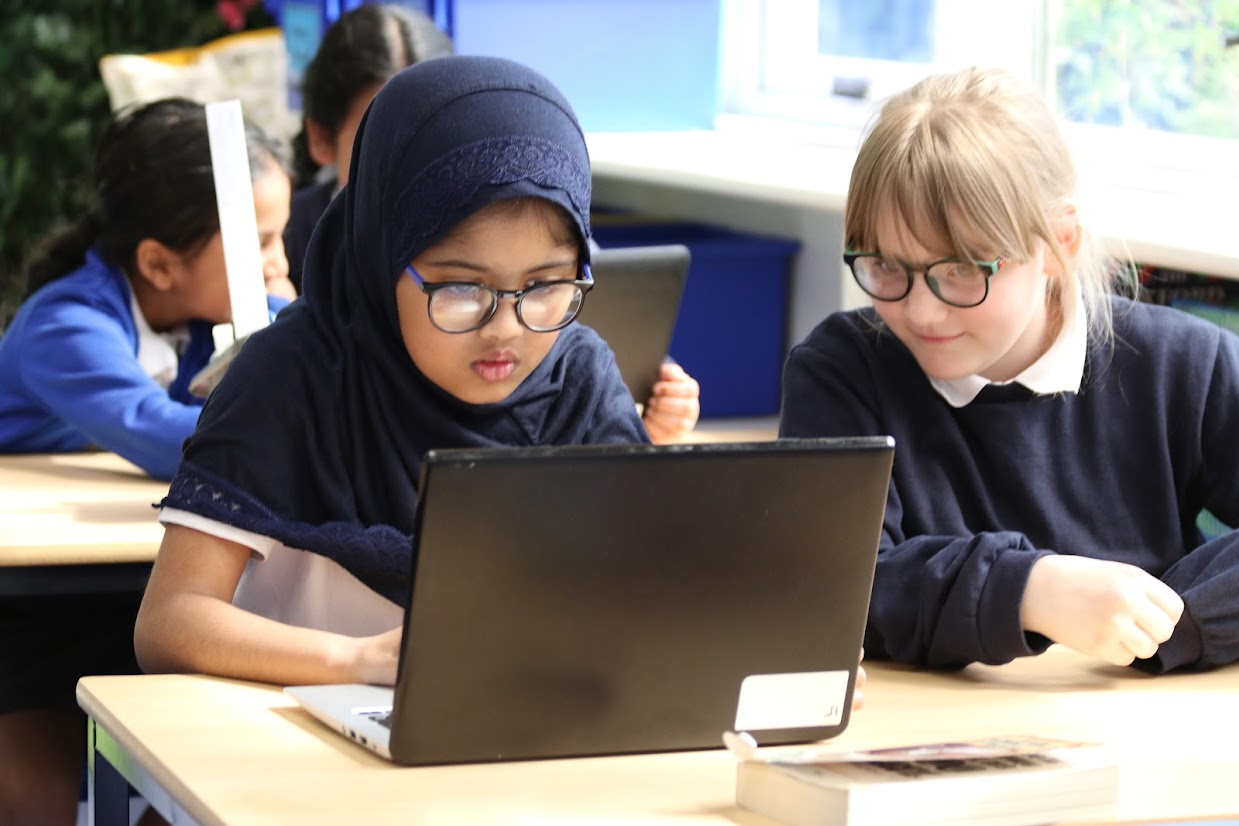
(975, 161)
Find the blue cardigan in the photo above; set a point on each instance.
(70, 376)
(1118, 471)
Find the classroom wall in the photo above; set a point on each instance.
(817, 284)
(625, 65)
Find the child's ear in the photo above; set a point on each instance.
(157, 264)
(322, 143)
(1068, 234)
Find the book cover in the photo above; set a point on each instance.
(1008, 781)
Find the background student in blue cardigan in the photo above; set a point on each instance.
(100, 354)
(1054, 443)
(120, 307)
(358, 54)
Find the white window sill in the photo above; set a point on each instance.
(1150, 214)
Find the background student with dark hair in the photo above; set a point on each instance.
(357, 55)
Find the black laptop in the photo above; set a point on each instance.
(633, 306)
(606, 600)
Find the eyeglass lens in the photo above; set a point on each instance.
(961, 283)
(542, 307)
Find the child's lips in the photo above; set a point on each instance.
(937, 338)
(495, 367)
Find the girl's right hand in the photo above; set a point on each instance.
(376, 659)
(673, 407)
(1102, 608)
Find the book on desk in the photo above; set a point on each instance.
(1017, 781)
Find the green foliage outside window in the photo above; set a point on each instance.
(1161, 64)
(53, 103)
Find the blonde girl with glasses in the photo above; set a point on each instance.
(1055, 442)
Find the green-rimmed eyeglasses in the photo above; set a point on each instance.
(462, 306)
(955, 282)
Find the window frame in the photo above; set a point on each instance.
(753, 89)
(787, 29)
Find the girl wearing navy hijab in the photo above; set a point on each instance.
(439, 291)
(358, 54)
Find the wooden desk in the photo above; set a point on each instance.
(757, 429)
(74, 521)
(219, 751)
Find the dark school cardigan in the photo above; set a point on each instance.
(1118, 471)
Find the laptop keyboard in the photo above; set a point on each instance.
(383, 718)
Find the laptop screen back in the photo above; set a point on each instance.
(604, 600)
(633, 306)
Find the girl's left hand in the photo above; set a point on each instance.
(674, 405)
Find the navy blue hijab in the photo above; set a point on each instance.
(316, 433)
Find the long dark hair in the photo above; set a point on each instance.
(365, 47)
(152, 178)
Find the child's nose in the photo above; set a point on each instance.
(921, 306)
(504, 324)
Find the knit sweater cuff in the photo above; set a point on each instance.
(999, 632)
(1184, 648)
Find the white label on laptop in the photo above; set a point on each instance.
(801, 700)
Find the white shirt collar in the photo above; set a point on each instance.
(1059, 370)
(158, 353)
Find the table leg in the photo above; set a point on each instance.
(107, 791)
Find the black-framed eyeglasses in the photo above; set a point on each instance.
(543, 307)
(954, 281)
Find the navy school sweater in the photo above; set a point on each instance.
(1118, 471)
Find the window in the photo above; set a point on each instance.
(1165, 72)
(828, 61)
(1162, 65)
